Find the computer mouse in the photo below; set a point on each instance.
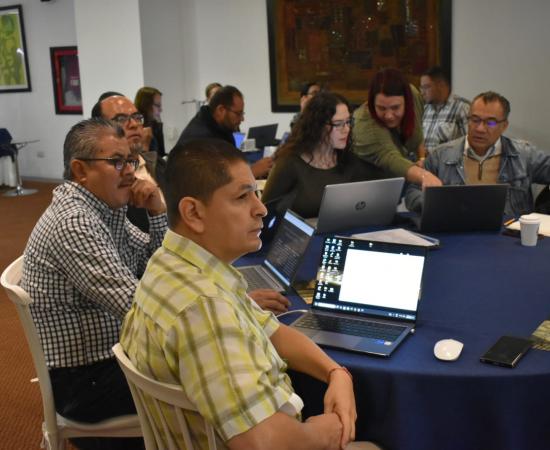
(448, 349)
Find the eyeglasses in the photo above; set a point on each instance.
(237, 113)
(491, 123)
(122, 119)
(158, 105)
(118, 163)
(341, 124)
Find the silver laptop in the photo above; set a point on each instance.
(351, 205)
(284, 256)
(366, 296)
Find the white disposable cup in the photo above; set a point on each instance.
(269, 150)
(529, 226)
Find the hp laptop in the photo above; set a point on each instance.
(358, 204)
(284, 256)
(264, 135)
(477, 207)
(366, 296)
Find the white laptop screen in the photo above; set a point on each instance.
(371, 278)
(288, 247)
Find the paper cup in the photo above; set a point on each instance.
(529, 226)
(269, 150)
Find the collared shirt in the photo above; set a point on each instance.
(444, 123)
(81, 267)
(494, 150)
(192, 324)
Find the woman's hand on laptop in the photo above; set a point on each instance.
(270, 300)
(429, 179)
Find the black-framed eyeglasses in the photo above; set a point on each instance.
(491, 123)
(341, 124)
(237, 113)
(122, 119)
(118, 163)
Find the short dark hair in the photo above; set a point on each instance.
(197, 169)
(224, 96)
(437, 73)
(96, 109)
(392, 83)
(81, 140)
(145, 97)
(305, 88)
(490, 97)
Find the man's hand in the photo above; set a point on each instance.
(262, 167)
(270, 300)
(145, 194)
(429, 179)
(339, 399)
(330, 426)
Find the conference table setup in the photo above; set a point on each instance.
(477, 287)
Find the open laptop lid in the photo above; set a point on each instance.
(264, 135)
(288, 247)
(358, 204)
(477, 207)
(239, 138)
(367, 278)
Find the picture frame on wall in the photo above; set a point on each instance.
(341, 45)
(66, 80)
(14, 64)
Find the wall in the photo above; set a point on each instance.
(31, 115)
(502, 45)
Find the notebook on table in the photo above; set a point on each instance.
(284, 256)
(358, 204)
(476, 207)
(366, 296)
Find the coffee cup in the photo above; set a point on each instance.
(269, 150)
(529, 227)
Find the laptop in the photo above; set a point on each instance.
(283, 258)
(264, 135)
(476, 207)
(351, 205)
(366, 296)
(239, 138)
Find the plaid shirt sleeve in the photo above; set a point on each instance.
(230, 372)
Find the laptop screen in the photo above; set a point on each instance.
(369, 278)
(288, 247)
(239, 138)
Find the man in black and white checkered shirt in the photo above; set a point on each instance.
(81, 267)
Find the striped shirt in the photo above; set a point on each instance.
(444, 123)
(192, 324)
(81, 267)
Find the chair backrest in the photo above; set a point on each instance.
(10, 282)
(150, 394)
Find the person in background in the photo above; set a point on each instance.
(219, 120)
(388, 128)
(210, 90)
(445, 115)
(485, 156)
(317, 153)
(308, 91)
(148, 101)
(192, 324)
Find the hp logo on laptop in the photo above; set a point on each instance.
(360, 205)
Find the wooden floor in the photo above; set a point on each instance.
(21, 407)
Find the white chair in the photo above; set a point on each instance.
(157, 392)
(56, 428)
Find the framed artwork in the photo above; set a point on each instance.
(14, 66)
(341, 44)
(66, 80)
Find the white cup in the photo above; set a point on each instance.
(269, 150)
(529, 226)
(248, 145)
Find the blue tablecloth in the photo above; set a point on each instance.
(477, 287)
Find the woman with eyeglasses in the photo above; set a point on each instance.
(388, 129)
(148, 101)
(316, 154)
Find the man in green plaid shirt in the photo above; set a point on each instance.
(192, 323)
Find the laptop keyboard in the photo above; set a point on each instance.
(256, 279)
(353, 327)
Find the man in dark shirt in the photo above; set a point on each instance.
(219, 119)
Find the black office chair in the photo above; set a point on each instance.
(9, 148)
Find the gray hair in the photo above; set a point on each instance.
(81, 140)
